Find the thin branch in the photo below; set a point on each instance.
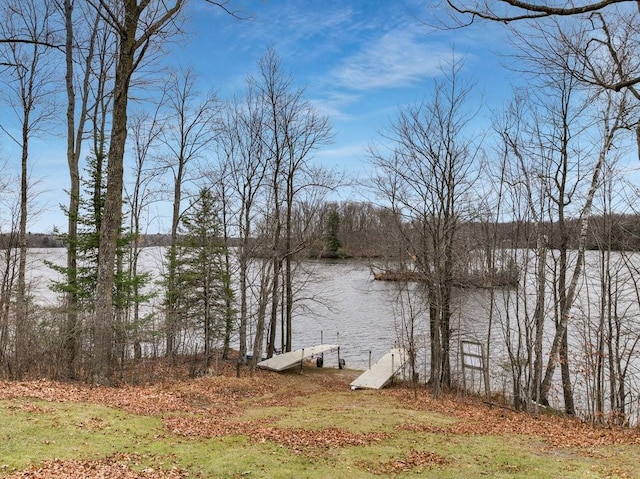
(223, 5)
(529, 10)
(29, 41)
(10, 136)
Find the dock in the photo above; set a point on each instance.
(280, 362)
(381, 372)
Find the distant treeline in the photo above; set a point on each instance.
(43, 240)
(363, 230)
(612, 232)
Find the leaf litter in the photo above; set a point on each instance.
(211, 406)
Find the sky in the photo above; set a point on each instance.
(358, 62)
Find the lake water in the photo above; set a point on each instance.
(340, 303)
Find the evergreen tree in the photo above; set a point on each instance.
(125, 285)
(202, 284)
(87, 238)
(334, 245)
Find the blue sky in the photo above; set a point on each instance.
(358, 61)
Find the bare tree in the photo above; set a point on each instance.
(137, 24)
(9, 255)
(606, 18)
(411, 308)
(190, 127)
(223, 190)
(244, 169)
(81, 52)
(545, 160)
(613, 118)
(426, 180)
(145, 130)
(513, 10)
(266, 144)
(522, 201)
(30, 81)
(292, 132)
(563, 61)
(609, 322)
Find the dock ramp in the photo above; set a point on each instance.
(382, 371)
(280, 362)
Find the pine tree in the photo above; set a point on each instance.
(334, 245)
(125, 285)
(202, 285)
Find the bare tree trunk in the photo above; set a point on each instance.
(112, 213)
(192, 128)
(75, 136)
(243, 284)
(131, 50)
(565, 313)
(245, 170)
(275, 301)
(22, 326)
(265, 290)
(228, 299)
(539, 312)
(27, 76)
(71, 340)
(288, 275)
(8, 279)
(171, 319)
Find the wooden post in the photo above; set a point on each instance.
(464, 372)
(393, 369)
(487, 389)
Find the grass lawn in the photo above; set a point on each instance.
(291, 425)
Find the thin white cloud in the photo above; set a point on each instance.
(397, 59)
(294, 27)
(334, 104)
(354, 151)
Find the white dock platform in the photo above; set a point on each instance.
(280, 362)
(382, 371)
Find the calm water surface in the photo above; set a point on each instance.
(340, 303)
